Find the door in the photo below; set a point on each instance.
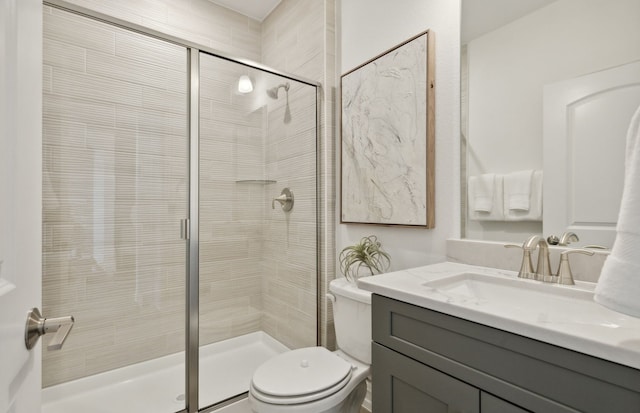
(585, 125)
(20, 195)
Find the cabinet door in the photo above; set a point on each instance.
(492, 404)
(403, 385)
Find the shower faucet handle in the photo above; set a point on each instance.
(281, 199)
(285, 199)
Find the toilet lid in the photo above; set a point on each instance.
(301, 373)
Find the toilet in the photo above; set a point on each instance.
(314, 379)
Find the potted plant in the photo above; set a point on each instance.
(364, 258)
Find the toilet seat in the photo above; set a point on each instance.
(300, 376)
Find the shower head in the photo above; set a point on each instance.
(273, 92)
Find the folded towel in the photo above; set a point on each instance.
(484, 188)
(517, 190)
(534, 211)
(496, 212)
(619, 284)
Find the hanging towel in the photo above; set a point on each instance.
(495, 213)
(517, 190)
(619, 285)
(484, 187)
(534, 212)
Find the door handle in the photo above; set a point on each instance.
(38, 326)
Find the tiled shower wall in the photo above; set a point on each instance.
(199, 21)
(114, 190)
(232, 204)
(232, 241)
(299, 37)
(289, 261)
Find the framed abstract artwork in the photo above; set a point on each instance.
(388, 134)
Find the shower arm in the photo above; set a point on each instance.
(273, 92)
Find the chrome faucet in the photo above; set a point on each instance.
(543, 268)
(565, 239)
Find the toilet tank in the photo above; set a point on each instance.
(352, 319)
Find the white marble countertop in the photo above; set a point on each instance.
(578, 323)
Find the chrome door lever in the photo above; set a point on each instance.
(38, 326)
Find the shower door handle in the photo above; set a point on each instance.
(38, 326)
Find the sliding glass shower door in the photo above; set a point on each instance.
(115, 189)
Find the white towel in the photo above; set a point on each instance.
(484, 187)
(496, 212)
(534, 211)
(619, 284)
(517, 190)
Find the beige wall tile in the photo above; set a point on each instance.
(114, 193)
(293, 39)
(126, 9)
(93, 88)
(252, 267)
(63, 55)
(76, 31)
(63, 108)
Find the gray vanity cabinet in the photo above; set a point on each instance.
(406, 386)
(426, 361)
(489, 403)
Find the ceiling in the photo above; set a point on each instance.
(256, 9)
(478, 16)
(482, 16)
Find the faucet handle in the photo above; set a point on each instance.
(282, 199)
(526, 267)
(285, 199)
(565, 276)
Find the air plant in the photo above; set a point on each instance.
(367, 255)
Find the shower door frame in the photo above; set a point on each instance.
(192, 304)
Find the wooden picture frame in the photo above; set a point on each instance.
(388, 136)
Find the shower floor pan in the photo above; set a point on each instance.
(157, 386)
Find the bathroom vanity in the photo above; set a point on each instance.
(453, 337)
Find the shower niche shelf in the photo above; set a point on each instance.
(256, 181)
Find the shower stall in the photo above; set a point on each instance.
(180, 220)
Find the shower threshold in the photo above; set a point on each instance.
(157, 386)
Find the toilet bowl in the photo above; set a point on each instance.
(314, 379)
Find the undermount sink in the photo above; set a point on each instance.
(485, 289)
(518, 298)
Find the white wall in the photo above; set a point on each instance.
(508, 68)
(368, 28)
